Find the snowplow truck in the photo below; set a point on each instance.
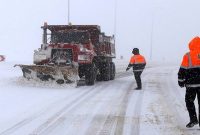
(71, 52)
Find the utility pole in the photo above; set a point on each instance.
(151, 40)
(115, 17)
(115, 23)
(68, 12)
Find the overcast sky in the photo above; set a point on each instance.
(168, 24)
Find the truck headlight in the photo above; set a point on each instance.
(39, 57)
(83, 57)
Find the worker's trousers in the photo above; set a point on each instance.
(137, 75)
(190, 96)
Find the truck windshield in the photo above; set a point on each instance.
(70, 37)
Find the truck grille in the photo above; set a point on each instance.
(61, 56)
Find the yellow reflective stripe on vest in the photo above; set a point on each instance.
(192, 85)
(189, 60)
(181, 80)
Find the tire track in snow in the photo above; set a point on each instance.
(114, 124)
(42, 112)
(137, 111)
(135, 121)
(118, 120)
(170, 97)
(99, 113)
(122, 111)
(59, 117)
(30, 119)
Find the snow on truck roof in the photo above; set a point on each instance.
(70, 27)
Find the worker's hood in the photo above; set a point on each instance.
(194, 44)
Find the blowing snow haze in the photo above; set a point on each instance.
(166, 25)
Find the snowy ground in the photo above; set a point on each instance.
(107, 108)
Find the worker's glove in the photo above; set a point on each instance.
(127, 68)
(181, 84)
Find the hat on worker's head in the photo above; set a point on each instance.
(135, 51)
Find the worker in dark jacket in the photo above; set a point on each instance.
(189, 77)
(138, 63)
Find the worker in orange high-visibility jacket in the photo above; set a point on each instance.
(138, 63)
(189, 77)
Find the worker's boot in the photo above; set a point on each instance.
(193, 118)
(192, 123)
(192, 115)
(138, 88)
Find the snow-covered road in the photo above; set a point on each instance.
(107, 108)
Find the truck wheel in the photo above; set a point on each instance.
(99, 77)
(106, 71)
(112, 72)
(90, 75)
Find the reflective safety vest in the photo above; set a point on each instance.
(137, 59)
(191, 60)
(138, 62)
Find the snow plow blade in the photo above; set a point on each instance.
(61, 74)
